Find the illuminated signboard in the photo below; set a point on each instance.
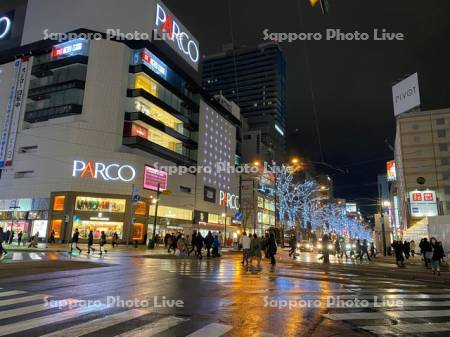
(153, 177)
(169, 29)
(351, 207)
(423, 203)
(70, 48)
(154, 63)
(6, 24)
(229, 200)
(96, 170)
(391, 173)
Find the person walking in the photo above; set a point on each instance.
(115, 240)
(293, 245)
(398, 249)
(193, 242)
(438, 254)
(8, 234)
(75, 239)
(2, 239)
(199, 245)
(255, 252)
(427, 251)
(19, 238)
(406, 249)
(25, 238)
(209, 239)
(272, 249)
(343, 247)
(90, 242)
(11, 237)
(412, 246)
(246, 242)
(216, 247)
(364, 250)
(102, 242)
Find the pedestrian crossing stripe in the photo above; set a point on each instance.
(388, 315)
(211, 330)
(407, 328)
(23, 299)
(154, 328)
(11, 293)
(30, 309)
(98, 324)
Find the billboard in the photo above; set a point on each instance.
(406, 95)
(153, 177)
(423, 203)
(351, 207)
(390, 169)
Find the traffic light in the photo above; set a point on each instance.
(323, 5)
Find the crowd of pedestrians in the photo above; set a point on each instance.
(184, 246)
(253, 247)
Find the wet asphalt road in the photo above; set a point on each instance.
(135, 295)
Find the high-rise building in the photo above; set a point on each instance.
(422, 159)
(255, 79)
(92, 126)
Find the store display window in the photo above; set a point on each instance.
(56, 227)
(90, 204)
(58, 203)
(84, 226)
(140, 208)
(138, 231)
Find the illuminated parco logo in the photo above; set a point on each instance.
(229, 200)
(5, 26)
(176, 33)
(111, 172)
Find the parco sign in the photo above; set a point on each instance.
(110, 172)
(229, 200)
(5, 27)
(176, 35)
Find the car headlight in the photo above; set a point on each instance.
(348, 246)
(319, 246)
(308, 245)
(353, 246)
(330, 246)
(298, 245)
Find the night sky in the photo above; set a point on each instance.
(351, 80)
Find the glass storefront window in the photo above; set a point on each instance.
(97, 227)
(89, 204)
(138, 231)
(56, 227)
(58, 203)
(140, 208)
(41, 227)
(16, 226)
(158, 137)
(171, 212)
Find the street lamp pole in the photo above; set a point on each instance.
(152, 242)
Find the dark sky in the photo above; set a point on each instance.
(351, 80)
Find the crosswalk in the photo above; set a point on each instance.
(98, 318)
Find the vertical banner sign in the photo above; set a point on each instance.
(18, 100)
(8, 113)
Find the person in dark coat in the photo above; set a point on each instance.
(8, 234)
(438, 254)
(19, 238)
(199, 245)
(425, 250)
(193, 241)
(102, 242)
(209, 239)
(90, 242)
(272, 248)
(75, 239)
(11, 237)
(398, 250)
(2, 239)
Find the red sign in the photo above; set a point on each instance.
(428, 197)
(417, 196)
(139, 131)
(153, 177)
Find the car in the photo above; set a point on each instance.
(305, 246)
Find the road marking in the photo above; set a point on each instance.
(393, 296)
(23, 299)
(98, 324)
(31, 309)
(211, 330)
(408, 328)
(12, 292)
(45, 320)
(388, 315)
(154, 328)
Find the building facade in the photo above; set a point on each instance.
(422, 160)
(97, 129)
(255, 79)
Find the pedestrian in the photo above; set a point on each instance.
(265, 245)
(337, 248)
(174, 242)
(25, 238)
(438, 254)
(90, 242)
(272, 249)
(358, 249)
(75, 239)
(255, 251)
(398, 250)
(412, 246)
(115, 239)
(102, 242)
(216, 247)
(373, 252)
(199, 245)
(293, 245)
(193, 242)
(364, 250)
(209, 239)
(34, 242)
(8, 234)
(2, 239)
(11, 237)
(406, 249)
(343, 248)
(166, 240)
(52, 237)
(426, 251)
(19, 238)
(246, 242)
